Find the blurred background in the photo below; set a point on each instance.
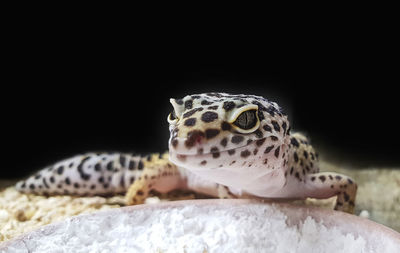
(86, 91)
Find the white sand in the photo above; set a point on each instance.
(252, 228)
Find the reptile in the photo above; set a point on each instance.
(222, 145)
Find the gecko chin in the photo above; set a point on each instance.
(232, 167)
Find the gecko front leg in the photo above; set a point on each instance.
(160, 175)
(329, 184)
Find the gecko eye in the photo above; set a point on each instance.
(246, 120)
(172, 118)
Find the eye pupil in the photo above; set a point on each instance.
(246, 120)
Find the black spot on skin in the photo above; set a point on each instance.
(350, 181)
(32, 186)
(338, 178)
(140, 165)
(268, 149)
(92, 187)
(188, 104)
(209, 117)
(52, 180)
(260, 115)
(231, 151)
(225, 126)
(228, 105)
(190, 122)
(38, 176)
(191, 112)
(131, 179)
(291, 170)
(122, 160)
(67, 181)
(274, 138)
(45, 183)
(284, 125)
(237, 139)
(271, 110)
(224, 141)
(97, 167)
(258, 133)
(85, 176)
(60, 170)
(260, 142)
(70, 165)
(276, 126)
(249, 141)
(204, 162)
(174, 142)
(105, 186)
(179, 101)
(297, 175)
(131, 165)
(294, 142)
(322, 178)
(205, 102)
(312, 178)
(211, 133)
(330, 177)
(305, 154)
(215, 152)
(277, 152)
(265, 161)
(245, 153)
(101, 179)
(214, 107)
(255, 151)
(110, 166)
(200, 151)
(267, 128)
(296, 157)
(76, 185)
(193, 137)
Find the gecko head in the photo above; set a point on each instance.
(225, 132)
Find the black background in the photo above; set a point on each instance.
(75, 91)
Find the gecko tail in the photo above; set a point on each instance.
(86, 175)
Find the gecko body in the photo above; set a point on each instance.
(223, 145)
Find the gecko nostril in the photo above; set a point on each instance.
(194, 137)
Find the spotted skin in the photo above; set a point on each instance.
(223, 145)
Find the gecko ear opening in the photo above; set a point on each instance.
(173, 117)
